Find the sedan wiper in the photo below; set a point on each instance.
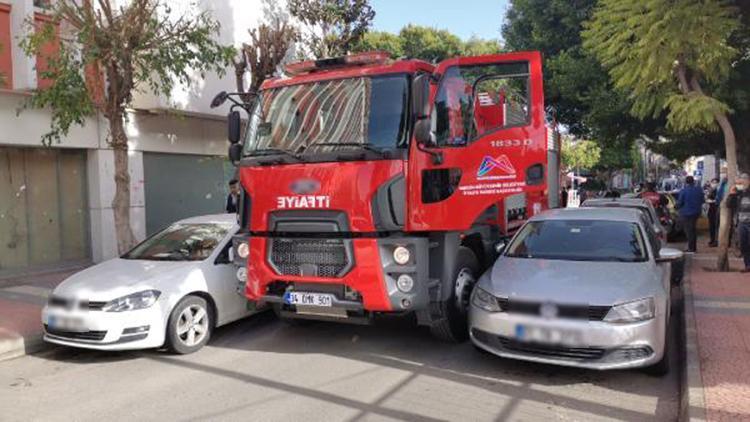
(369, 147)
(273, 151)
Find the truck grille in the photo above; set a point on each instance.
(309, 257)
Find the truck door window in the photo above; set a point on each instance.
(473, 101)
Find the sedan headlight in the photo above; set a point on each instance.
(637, 310)
(135, 301)
(484, 300)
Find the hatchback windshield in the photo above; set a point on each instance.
(181, 242)
(343, 114)
(579, 240)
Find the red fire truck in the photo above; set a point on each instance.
(375, 186)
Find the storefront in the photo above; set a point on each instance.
(44, 219)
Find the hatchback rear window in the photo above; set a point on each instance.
(580, 240)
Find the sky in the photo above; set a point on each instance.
(461, 17)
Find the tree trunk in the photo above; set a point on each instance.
(725, 223)
(121, 201)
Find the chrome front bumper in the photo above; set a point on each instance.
(601, 345)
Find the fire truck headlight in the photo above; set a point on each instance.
(243, 250)
(401, 255)
(241, 274)
(405, 283)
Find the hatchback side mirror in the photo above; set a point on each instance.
(233, 126)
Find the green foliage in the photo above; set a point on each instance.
(334, 26)
(380, 40)
(140, 45)
(580, 154)
(425, 43)
(429, 44)
(648, 45)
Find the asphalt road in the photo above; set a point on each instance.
(263, 369)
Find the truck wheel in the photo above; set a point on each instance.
(190, 325)
(453, 326)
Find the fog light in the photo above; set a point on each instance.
(401, 255)
(242, 274)
(405, 303)
(243, 250)
(405, 283)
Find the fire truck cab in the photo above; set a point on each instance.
(373, 185)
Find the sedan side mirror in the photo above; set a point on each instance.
(669, 255)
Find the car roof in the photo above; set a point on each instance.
(212, 218)
(629, 215)
(617, 202)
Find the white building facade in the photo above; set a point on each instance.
(56, 202)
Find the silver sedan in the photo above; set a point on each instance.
(578, 287)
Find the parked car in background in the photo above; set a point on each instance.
(639, 204)
(587, 287)
(674, 230)
(171, 290)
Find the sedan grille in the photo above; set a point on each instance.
(590, 312)
(552, 351)
(309, 257)
(75, 335)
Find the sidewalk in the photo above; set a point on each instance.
(721, 304)
(21, 302)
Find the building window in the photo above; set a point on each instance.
(6, 57)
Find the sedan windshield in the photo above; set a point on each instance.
(580, 240)
(345, 114)
(181, 242)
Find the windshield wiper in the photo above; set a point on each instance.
(273, 151)
(369, 147)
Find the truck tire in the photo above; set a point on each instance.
(453, 325)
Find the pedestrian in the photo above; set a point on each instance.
(564, 197)
(739, 201)
(713, 212)
(233, 199)
(690, 205)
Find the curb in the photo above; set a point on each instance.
(12, 348)
(692, 397)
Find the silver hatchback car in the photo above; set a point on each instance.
(578, 287)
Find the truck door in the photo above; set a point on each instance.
(486, 141)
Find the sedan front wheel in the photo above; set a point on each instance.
(189, 326)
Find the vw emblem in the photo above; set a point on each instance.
(548, 310)
(305, 186)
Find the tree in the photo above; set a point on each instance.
(381, 41)
(580, 154)
(333, 26)
(429, 44)
(670, 55)
(269, 45)
(476, 46)
(140, 45)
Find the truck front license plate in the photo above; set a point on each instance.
(309, 299)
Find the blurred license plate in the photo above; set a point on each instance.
(548, 335)
(309, 299)
(66, 323)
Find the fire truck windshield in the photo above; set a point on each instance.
(308, 120)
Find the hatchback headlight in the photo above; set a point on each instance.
(637, 310)
(485, 300)
(135, 301)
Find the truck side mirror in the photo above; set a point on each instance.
(423, 133)
(233, 126)
(420, 99)
(235, 153)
